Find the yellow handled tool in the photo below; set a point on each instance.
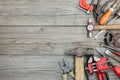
(66, 70)
(65, 76)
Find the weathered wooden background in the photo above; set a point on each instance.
(34, 35)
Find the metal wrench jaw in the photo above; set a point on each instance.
(64, 66)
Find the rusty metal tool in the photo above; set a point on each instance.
(66, 70)
(112, 39)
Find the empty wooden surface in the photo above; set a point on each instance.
(34, 34)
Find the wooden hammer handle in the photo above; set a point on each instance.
(79, 68)
(107, 27)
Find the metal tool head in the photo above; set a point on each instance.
(64, 66)
(100, 51)
(80, 52)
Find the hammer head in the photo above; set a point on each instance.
(80, 52)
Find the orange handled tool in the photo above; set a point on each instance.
(105, 17)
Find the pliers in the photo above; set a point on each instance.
(66, 70)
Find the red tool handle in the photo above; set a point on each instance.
(90, 67)
(116, 53)
(84, 5)
(100, 75)
(116, 70)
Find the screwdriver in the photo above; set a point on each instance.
(117, 15)
(115, 52)
(105, 17)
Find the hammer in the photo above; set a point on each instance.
(79, 54)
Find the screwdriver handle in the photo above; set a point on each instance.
(105, 17)
(116, 53)
(116, 70)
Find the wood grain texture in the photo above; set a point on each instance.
(32, 67)
(42, 67)
(39, 12)
(107, 27)
(42, 40)
(34, 34)
(79, 68)
(46, 34)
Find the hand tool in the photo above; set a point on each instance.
(107, 27)
(109, 47)
(99, 65)
(79, 61)
(115, 52)
(87, 8)
(106, 16)
(106, 4)
(66, 70)
(115, 68)
(90, 28)
(116, 16)
(104, 28)
(106, 53)
(112, 39)
(98, 10)
(80, 52)
(102, 31)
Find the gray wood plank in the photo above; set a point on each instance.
(44, 34)
(43, 40)
(44, 20)
(44, 49)
(34, 67)
(31, 67)
(39, 12)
